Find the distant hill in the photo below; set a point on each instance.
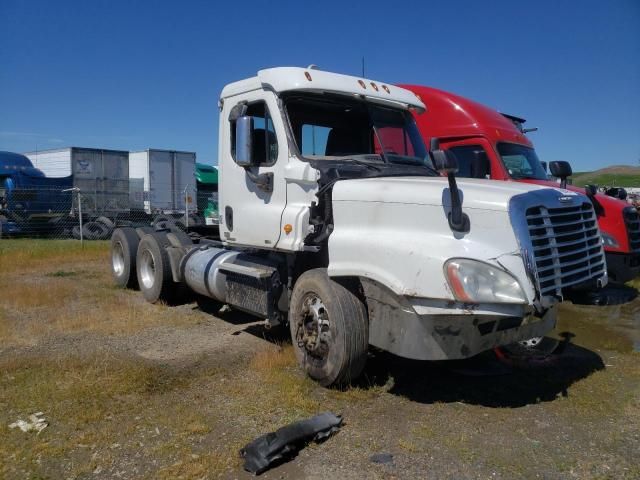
(614, 176)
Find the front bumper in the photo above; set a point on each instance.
(623, 267)
(448, 333)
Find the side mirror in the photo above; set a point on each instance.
(244, 141)
(561, 170)
(480, 166)
(622, 193)
(444, 161)
(616, 192)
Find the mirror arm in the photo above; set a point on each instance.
(591, 191)
(563, 182)
(458, 221)
(264, 181)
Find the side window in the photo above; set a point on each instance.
(264, 141)
(465, 155)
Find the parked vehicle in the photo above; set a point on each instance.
(30, 203)
(489, 144)
(101, 175)
(351, 247)
(207, 193)
(167, 179)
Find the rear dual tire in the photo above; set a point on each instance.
(124, 248)
(153, 269)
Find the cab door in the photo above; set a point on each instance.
(250, 214)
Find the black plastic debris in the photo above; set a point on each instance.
(284, 443)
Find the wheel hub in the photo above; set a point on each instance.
(117, 258)
(313, 330)
(147, 269)
(531, 342)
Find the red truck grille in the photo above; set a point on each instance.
(632, 221)
(567, 248)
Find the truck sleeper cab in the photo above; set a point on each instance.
(333, 220)
(469, 129)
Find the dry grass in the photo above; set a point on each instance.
(100, 408)
(80, 397)
(25, 255)
(61, 288)
(208, 465)
(117, 412)
(97, 404)
(274, 388)
(635, 283)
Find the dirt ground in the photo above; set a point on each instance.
(133, 390)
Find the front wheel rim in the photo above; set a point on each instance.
(313, 333)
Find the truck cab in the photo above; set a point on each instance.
(26, 191)
(489, 144)
(335, 220)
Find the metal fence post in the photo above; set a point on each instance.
(80, 216)
(186, 207)
(77, 190)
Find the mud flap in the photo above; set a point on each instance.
(284, 443)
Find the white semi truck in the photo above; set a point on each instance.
(336, 220)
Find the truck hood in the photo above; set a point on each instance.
(476, 194)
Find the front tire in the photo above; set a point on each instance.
(329, 329)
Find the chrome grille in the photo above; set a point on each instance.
(632, 221)
(566, 246)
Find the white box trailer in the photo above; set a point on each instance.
(168, 179)
(101, 175)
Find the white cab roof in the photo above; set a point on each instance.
(284, 79)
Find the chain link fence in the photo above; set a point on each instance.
(91, 214)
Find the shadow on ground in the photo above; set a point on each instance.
(277, 335)
(612, 294)
(484, 379)
(481, 380)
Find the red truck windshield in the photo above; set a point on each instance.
(521, 162)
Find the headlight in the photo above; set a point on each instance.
(609, 241)
(472, 281)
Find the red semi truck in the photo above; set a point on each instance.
(494, 145)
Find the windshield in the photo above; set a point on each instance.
(521, 162)
(329, 127)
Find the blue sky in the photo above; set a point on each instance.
(138, 74)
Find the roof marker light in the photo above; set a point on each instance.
(362, 84)
(386, 89)
(375, 87)
(308, 75)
